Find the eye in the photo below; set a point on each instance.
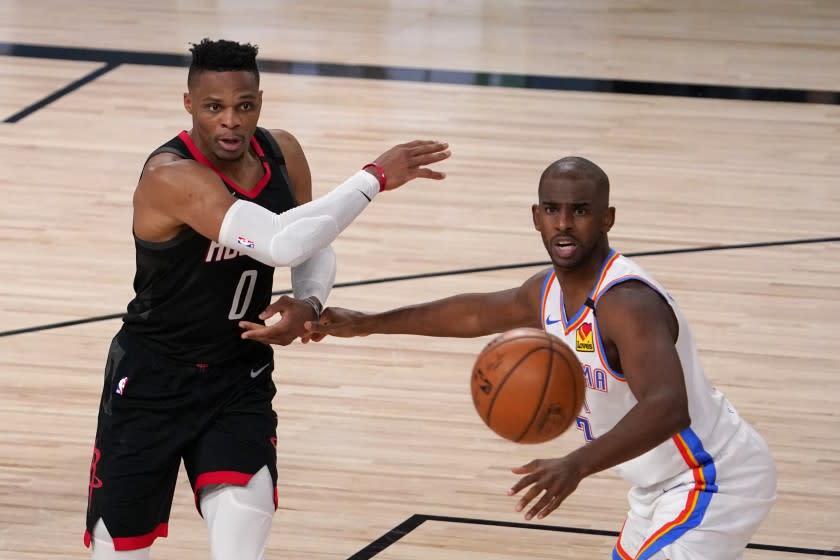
(247, 106)
(549, 210)
(213, 107)
(581, 211)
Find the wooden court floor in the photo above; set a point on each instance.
(379, 433)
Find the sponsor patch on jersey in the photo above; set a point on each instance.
(583, 338)
(245, 241)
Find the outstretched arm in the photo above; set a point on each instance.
(463, 315)
(643, 329)
(183, 192)
(312, 280)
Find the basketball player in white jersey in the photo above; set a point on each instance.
(702, 479)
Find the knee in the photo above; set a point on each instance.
(239, 518)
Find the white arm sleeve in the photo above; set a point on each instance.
(315, 276)
(290, 238)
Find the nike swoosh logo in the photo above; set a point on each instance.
(255, 373)
(548, 320)
(366, 196)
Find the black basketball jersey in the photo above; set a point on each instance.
(191, 292)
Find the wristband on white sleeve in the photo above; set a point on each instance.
(290, 238)
(313, 279)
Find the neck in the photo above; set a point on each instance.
(582, 277)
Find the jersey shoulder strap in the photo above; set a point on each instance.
(175, 146)
(270, 145)
(274, 155)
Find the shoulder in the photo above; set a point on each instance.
(630, 297)
(168, 167)
(289, 145)
(160, 159)
(296, 164)
(635, 306)
(173, 176)
(532, 289)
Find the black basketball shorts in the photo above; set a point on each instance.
(155, 412)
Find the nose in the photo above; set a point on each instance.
(230, 118)
(563, 219)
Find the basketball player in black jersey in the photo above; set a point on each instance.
(216, 209)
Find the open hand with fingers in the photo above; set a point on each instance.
(294, 312)
(555, 479)
(405, 162)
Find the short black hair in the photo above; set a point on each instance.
(576, 167)
(222, 56)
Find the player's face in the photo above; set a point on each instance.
(225, 108)
(572, 218)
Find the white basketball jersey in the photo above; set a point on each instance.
(608, 397)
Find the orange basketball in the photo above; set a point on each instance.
(527, 385)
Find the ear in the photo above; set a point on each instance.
(188, 103)
(609, 219)
(535, 214)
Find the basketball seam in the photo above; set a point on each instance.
(505, 378)
(542, 394)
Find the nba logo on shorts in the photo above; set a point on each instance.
(583, 338)
(121, 386)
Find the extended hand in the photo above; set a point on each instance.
(337, 322)
(294, 313)
(405, 162)
(558, 477)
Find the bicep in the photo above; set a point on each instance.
(296, 165)
(509, 309)
(640, 324)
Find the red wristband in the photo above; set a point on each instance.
(380, 173)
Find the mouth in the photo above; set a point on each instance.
(230, 143)
(564, 247)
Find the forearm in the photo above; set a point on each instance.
(314, 278)
(645, 426)
(290, 238)
(343, 204)
(456, 316)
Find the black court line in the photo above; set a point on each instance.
(422, 275)
(443, 76)
(62, 92)
(389, 538)
(416, 520)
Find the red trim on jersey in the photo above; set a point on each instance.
(135, 543)
(202, 159)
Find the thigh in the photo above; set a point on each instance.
(690, 524)
(724, 532)
(638, 525)
(137, 450)
(239, 437)
(687, 521)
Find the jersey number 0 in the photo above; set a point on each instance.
(240, 303)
